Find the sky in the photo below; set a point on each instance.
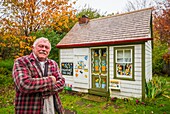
(109, 6)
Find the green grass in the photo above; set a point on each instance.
(81, 106)
(7, 99)
(75, 102)
(7, 110)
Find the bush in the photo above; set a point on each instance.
(6, 72)
(8, 64)
(158, 51)
(6, 80)
(155, 87)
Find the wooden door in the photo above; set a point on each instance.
(99, 69)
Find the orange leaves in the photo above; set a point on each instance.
(16, 46)
(26, 16)
(60, 23)
(31, 15)
(24, 46)
(162, 22)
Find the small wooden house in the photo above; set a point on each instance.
(109, 56)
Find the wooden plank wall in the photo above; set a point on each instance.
(68, 55)
(148, 60)
(128, 88)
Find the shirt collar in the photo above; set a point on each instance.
(37, 58)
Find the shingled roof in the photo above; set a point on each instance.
(122, 28)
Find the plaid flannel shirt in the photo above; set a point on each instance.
(32, 88)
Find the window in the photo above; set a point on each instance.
(124, 62)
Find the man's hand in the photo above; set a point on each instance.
(53, 78)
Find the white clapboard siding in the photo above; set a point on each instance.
(81, 85)
(132, 90)
(80, 51)
(68, 79)
(148, 60)
(111, 62)
(138, 78)
(128, 88)
(124, 94)
(66, 55)
(130, 82)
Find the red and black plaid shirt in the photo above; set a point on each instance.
(31, 87)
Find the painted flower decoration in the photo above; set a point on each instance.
(97, 80)
(103, 81)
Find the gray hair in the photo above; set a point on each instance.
(39, 39)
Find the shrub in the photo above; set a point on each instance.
(8, 64)
(158, 51)
(6, 72)
(155, 87)
(6, 80)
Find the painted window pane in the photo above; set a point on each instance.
(124, 70)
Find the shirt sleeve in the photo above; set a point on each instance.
(59, 86)
(24, 81)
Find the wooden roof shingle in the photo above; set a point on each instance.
(128, 27)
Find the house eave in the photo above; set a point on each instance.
(92, 44)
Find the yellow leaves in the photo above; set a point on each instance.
(31, 15)
(66, 26)
(36, 13)
(18, 46)
(21, 44)
(20, 54)
(16, 56)
(2, 45)
(60, 23)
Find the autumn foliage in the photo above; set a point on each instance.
(162, 21)
(22, 17)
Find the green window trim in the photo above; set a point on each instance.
(123, 49)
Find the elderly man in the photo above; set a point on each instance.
(38, 81)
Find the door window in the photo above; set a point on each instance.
(99, 68)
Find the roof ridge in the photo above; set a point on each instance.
(150, 8)
(111, 30)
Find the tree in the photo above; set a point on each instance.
(162, 21)
(31, 15)
(89, 12)
(162, 27)
(22, 17)
(133, 5)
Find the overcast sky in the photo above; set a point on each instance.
(109, 6)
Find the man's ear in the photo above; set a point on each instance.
(32, 47)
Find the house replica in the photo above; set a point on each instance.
(109, 56)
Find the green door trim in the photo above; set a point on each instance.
(100, 91)
(143, 71)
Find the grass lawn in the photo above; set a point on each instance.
(75, 102)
